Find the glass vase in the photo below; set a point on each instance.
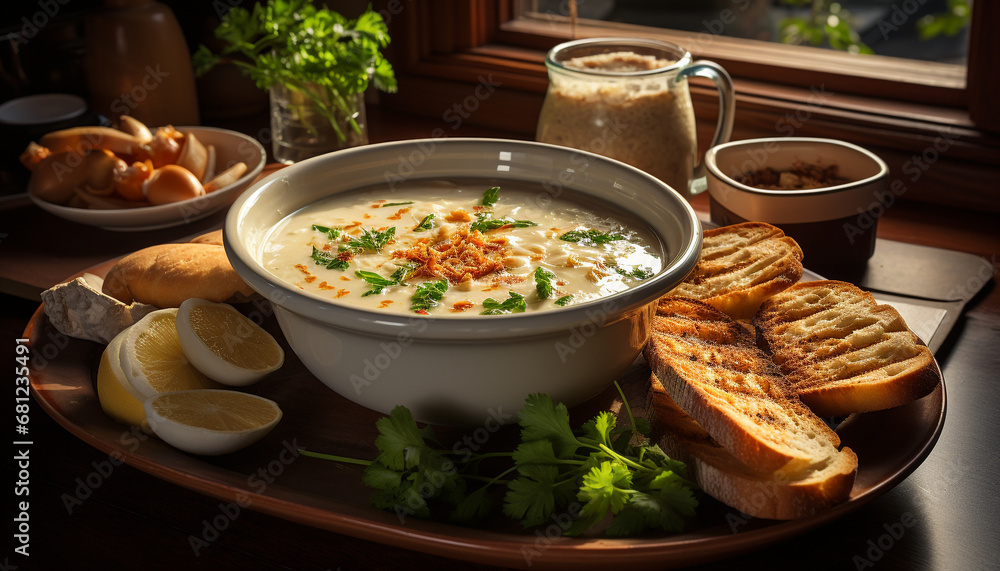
(300, 130)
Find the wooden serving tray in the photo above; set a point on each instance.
(272, 477)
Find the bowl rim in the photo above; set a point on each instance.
(469, 329)
(251, 173)
(714, 170)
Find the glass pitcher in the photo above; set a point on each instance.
(628, 99)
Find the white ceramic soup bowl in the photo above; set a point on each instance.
(475, 369)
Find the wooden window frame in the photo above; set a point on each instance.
(472, 62)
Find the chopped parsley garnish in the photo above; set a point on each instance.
(543, 282)
(598, 471)
(331, 233)
(513, 304)
(428, 294)
(425, 224)
(564, 300)
(484, 224)
(371, 240)
(396, 204)
(590, 236)
(637, 273)
(328, 259)
(491, 196)
(379, 283)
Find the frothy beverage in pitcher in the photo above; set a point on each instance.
(645, 120)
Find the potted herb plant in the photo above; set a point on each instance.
(316, 64)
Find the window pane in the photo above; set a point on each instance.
(929, 30)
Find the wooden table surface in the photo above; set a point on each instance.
(947, 509)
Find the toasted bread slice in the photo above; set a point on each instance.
(842, 351)
(721, 475)
(709, 365)
(742, 265)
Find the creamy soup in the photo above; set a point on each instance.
(457, 251)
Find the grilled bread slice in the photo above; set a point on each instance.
(769, 495)
(742, 265)
(842, 351)
(759, 431)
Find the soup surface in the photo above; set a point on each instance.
(457, 251)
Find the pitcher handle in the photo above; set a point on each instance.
(727, 110)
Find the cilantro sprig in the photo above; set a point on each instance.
(328, 259)
(380, 283)
(331, 233)
(490, 197)
(425, 224)
(590, 237)
(428, 295)
(604, 468)
(513, 304)
(543, 282)
(371, 240)
(637, 272)
(484, 223)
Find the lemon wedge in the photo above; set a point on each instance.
(114, 391)
(153, 359)
(209, 421)
(225, 344)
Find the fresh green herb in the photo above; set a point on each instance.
(543, 282)
(610, 470)
(637, 273)
(314, 52)
(425, 224)
(485, 224)
(379, 283)
(590, 237)
(564, 300)
(371, 240)
(331, 233)
(428, 295)
(513, 304)
(491, 196)
(396, 204)
(328, 259)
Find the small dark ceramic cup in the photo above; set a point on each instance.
(834, 225)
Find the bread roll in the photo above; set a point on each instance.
(213, 237)
(167, 274)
